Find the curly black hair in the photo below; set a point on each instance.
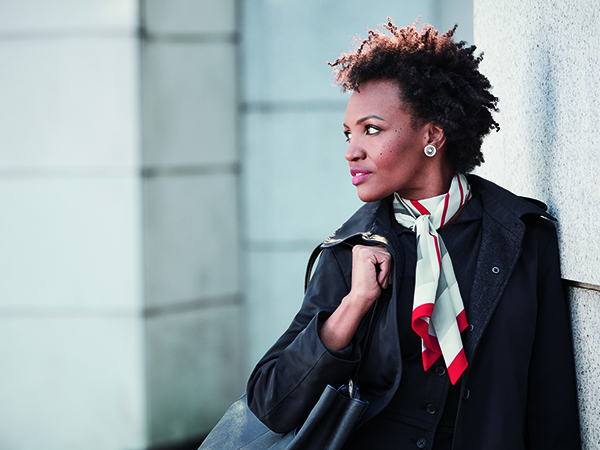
(439, 81)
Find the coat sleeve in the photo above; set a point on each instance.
(288, 381)
(552, 413)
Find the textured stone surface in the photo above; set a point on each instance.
(585, 309)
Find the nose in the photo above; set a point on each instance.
(354, 152)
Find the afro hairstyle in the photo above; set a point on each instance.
(439, 81)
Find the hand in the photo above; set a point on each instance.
(370, 273)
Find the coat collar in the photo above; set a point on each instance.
(373, 220)
(505, 207)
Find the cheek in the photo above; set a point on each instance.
(391, 147)
(392, 151)
(386, 154)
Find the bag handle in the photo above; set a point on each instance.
(369, 338)
(309, 268)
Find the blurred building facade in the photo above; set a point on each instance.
(167, 166)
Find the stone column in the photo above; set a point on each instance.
(121, 321)
(194, 326)
(71, 293)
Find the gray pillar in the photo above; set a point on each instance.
(121, 320)
(194, 326)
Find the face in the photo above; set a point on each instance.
(385, 152)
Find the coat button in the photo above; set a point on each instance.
(466, 394)
(440, 370)
(431, 409)
(495, 269)
(471, 327)
(421, 443)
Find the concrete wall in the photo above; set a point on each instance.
(542, 58)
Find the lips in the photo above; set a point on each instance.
(359, 174)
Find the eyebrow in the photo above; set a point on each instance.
(372, 116)
(364, 119)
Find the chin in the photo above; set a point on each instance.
(369, 197)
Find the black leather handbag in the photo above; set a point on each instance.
(327, 427)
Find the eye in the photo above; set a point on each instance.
(348, 135)
(372, 129)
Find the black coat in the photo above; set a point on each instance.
(518, 391)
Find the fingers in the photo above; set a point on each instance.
(384, 277)
(380, 258)
(370, 270)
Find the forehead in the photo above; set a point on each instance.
(378, 88)
(375, 97)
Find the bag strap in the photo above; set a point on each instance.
(313, 259)
(311, 263)
(369, 337)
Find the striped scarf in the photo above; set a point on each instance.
(438, 315)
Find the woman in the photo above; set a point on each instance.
(471, 347)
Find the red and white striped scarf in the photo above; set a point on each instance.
(438, 315)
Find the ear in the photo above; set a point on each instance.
(435, 135)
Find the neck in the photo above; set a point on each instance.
(436, 181)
